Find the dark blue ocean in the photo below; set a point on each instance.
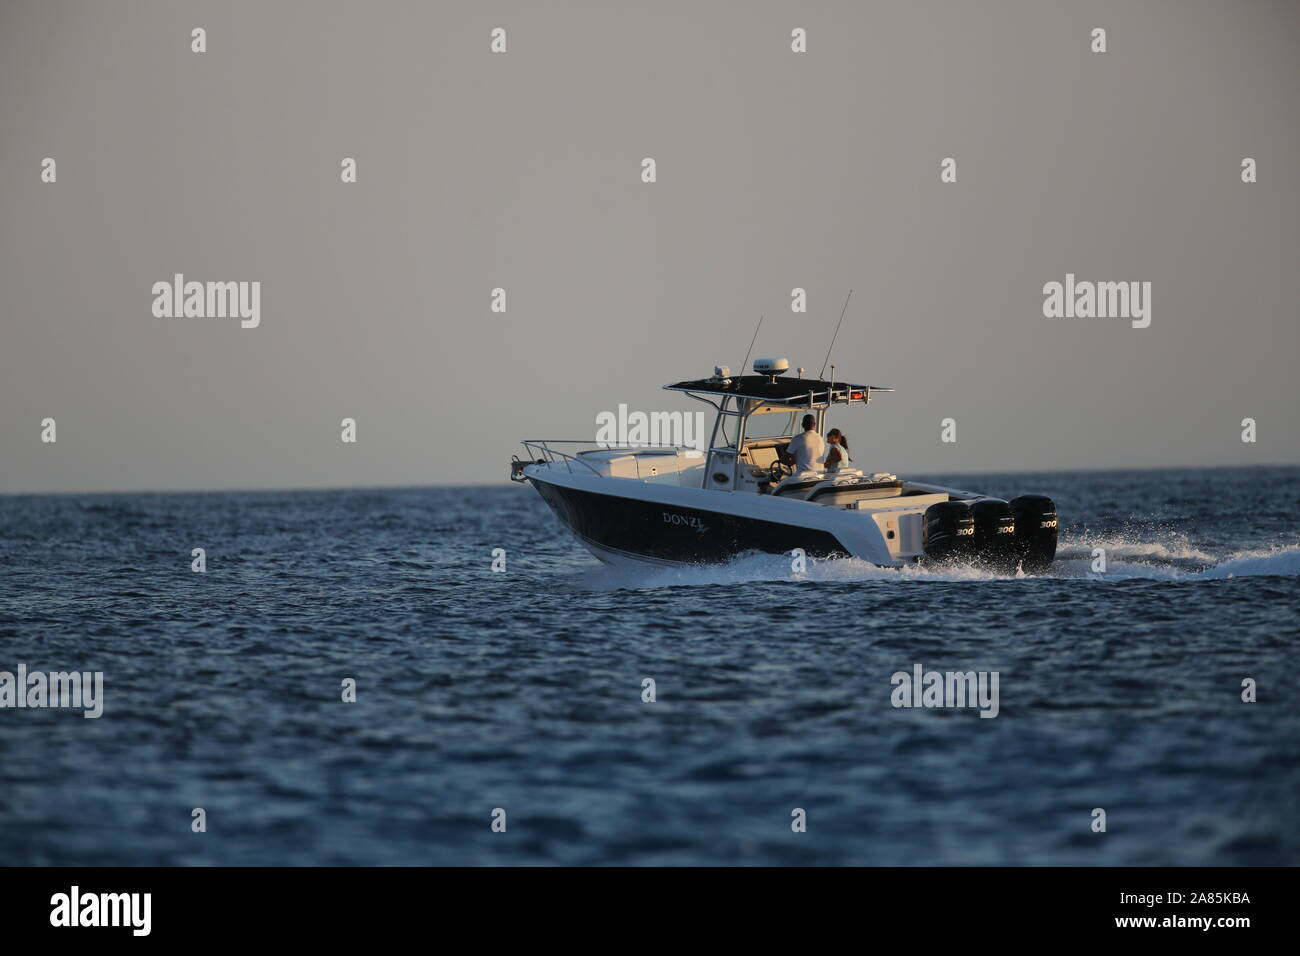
(522, 690)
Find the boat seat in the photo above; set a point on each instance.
(801, 482)
(865, 488)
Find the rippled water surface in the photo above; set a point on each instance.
(522, 690)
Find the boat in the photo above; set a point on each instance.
(738, 492)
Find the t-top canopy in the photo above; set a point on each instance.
(782, 391)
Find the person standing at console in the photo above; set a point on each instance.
(807, 449)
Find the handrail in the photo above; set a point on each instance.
(542, 446)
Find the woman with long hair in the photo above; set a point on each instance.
(837, 452)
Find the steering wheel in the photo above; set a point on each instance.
(778, 470)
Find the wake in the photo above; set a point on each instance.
(1173, 559)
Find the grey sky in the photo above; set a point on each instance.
(522, 170)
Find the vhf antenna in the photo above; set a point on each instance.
(837, 332)
(745, 364)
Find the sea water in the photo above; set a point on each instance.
(524, 690)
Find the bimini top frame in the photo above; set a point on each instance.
(755, 393)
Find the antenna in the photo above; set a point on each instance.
(837, 332)
(745, 364)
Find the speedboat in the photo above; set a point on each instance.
(738, 492)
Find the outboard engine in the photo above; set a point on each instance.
(995, 534)
(947, 531)
(1035, 534)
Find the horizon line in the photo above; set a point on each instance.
(399, 486)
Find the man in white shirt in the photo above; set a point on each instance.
(809, 449)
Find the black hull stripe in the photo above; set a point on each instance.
(675, 534)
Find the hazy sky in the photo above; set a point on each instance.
(522, 170)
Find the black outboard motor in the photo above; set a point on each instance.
(948, 531)
(995, 534)
(1035, 534)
